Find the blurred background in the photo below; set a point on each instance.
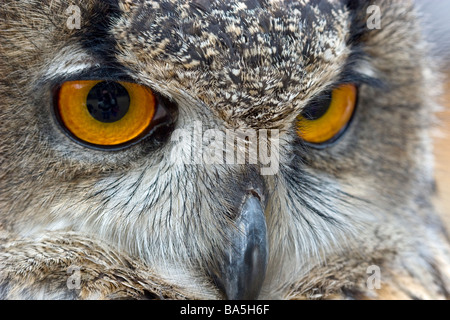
(436, 19)
(442, 154)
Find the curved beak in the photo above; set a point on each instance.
(245, 263)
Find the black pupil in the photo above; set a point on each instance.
(318, 107)
(108, 102)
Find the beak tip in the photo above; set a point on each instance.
(245, 263)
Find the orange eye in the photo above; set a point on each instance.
(328, 117)
(106, 113)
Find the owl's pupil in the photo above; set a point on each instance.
(317, 108)
(108, 102)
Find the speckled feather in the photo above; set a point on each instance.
(257, 57)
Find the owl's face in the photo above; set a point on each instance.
(73, 159)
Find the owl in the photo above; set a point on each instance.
(253, 149)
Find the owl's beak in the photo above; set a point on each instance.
(245, 263)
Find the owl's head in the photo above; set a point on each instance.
(232, 145)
